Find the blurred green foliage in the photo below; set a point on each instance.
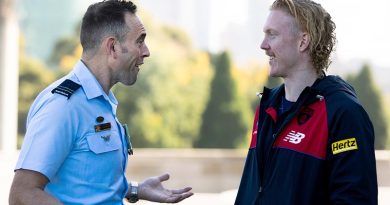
(183, 97)
(224, 124)
(273, 82)
(373, 102)
(34, 76)
(164, 108)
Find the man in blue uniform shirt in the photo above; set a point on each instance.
(75, 149)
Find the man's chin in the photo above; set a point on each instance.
(129, 83)
(274, 74)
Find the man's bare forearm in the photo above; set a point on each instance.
(36, 196)
(28, 189)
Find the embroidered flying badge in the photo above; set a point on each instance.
(344, 145)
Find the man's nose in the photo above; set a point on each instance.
(145, 51)
(264, 45)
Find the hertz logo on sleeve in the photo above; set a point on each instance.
(344, 145)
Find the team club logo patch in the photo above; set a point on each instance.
(305, 115)
(344, 145)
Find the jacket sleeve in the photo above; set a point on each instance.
(351, 164)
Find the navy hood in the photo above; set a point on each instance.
(333, 84)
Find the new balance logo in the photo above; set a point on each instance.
(294, 137)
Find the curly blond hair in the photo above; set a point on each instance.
(312, 18)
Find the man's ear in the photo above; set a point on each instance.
(304, 41)
(109, 47)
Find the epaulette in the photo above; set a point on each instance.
(66, 88)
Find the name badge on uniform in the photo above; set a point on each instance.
(103, 127)
(129, 145)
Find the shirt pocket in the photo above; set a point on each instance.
(102, 142)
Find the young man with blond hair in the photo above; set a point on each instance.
(312, 141)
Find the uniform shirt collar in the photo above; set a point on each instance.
(91, 86)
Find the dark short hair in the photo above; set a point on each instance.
(311, 17)
(103, 19)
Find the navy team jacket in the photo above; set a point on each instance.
(319, 152)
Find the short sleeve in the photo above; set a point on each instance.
(49, 136)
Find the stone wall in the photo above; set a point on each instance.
(210, 171)
(383, 167)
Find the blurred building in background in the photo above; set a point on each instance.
(212, 25)
(215, 25)
(43, 22)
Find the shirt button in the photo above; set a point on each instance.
(99, 119)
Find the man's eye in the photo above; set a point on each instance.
(272, 35)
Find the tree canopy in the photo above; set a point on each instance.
(372, 101)
(224, 124)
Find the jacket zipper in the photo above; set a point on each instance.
(275, 135)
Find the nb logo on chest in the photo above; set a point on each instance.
(294, 137)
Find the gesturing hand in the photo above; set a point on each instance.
(152, 190)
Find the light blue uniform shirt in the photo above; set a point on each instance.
(83, 166)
